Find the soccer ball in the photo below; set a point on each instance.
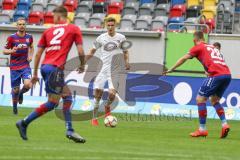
(110, 121)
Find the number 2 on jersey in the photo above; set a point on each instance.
(58, 33)
(215, 54)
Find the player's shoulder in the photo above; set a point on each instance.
(13, 35)
(120, 35)
(28, 35)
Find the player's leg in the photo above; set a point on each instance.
(223, 82)
(26, 75)
(97, 97)
(204, 92)
(98, 87)
(111, 96)
(52, 102)
(67, 103)
(113, 84)
(15, 93)
(15, 83)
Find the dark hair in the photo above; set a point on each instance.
(217, 45)
(198, 35)
(111, 19)
(61, 10)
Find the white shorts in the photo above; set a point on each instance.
(101, 79)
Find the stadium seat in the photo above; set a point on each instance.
(5, 18)
(96, 21)
(98, 8)
(20, 13)
(99, 1)
(113, 9)
(175, 27)
(237, 6)
(82, 19)
(8, 5)
(174, 2)
(127, 22)
(43, 2)
(146, 9)
(130, 8)
(162, 2)
(85, 7)
(175, 12)
(181, 6)
(51, 7)
(9, 12)
(193, 11)
(192, 3)
(35, 17)
(207, 3)
(208, 13)
(159, 23)
(57, 2)
(145, 1)
(23, 5)
(192, 20)
(161, 10)
(71, 5)
(48, 18)
(37, 7)
(143, 23)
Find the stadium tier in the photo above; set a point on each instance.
(221, 16)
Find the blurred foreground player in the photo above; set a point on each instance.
(214, 85)
(57, 41)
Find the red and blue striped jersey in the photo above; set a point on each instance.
(19, 60)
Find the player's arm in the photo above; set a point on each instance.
(30, 53)
(36, 64)
(126, 59)
(81, 56)
(9, 49)
(90, 54)
(180, 61)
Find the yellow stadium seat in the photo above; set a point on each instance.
(208, 13)
(192, 3)
(70, 17)
(207, 3)
(115, 16)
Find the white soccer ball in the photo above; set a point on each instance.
(110, 121)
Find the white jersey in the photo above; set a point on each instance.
(109, 47)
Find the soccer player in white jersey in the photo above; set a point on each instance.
(109, 46)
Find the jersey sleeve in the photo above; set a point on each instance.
(42, 42)
(78, 36)
(97, 44)
(9, 44)
(194, 51)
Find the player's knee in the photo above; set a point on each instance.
(15, 90)
(200, 99)
(214, 100)
(112, 95)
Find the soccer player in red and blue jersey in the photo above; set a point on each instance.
(20, 48)
(219, 77)
(57, 42)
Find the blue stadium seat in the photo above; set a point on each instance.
(174, 2)
(24, 4)
(20, 13)
(145, 1)
(237, 6)
(175, 20)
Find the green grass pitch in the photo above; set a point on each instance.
(130, 140)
